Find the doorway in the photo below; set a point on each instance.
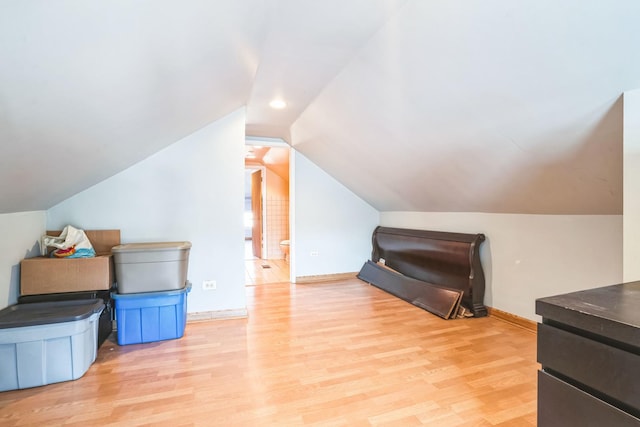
(254, 215)
(266, 212)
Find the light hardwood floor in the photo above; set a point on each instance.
(329, 354)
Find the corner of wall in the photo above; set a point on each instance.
(333, 226)
(21, 234)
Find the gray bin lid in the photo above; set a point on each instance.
(44, 313)
(151, 247)
(138, 295)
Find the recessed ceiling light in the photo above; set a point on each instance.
(278, 104)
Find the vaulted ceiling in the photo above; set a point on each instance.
(448, 105)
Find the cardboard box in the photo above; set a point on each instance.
(101, 240)
(43, 275)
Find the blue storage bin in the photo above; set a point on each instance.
(151, 316)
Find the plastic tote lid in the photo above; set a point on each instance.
(161, 294)
(151, 247)
(44, 313)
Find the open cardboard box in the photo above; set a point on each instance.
(43, 275)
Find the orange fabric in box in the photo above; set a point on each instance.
(101, 240)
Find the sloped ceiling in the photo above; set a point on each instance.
(495, 106)
(89, 88)
(458, 105)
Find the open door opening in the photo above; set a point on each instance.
(256, 213)
(267, 232)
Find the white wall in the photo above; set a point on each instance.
(20, 235)
(193, 190)
(329, 220)
(531, 256)
(631, 179)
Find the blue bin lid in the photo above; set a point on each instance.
(44, 313)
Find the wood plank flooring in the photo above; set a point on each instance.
(330, 354)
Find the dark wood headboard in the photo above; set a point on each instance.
(449, 260)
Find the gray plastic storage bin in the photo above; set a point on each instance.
(47, 342)
(151, 267)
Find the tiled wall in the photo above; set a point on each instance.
(277, 225)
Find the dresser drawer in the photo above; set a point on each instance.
(562, 405)
(610, 370)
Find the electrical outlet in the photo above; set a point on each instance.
(314, 253)
(209, 285)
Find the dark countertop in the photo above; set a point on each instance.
(611, 312)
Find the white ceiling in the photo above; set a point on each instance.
(457, 105)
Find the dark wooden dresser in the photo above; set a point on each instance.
(589, 349)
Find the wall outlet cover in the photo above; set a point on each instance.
(209, 285)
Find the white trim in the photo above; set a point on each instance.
(292, 215)
(269, 142)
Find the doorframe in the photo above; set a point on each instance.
(263, 213)
(278, 142)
